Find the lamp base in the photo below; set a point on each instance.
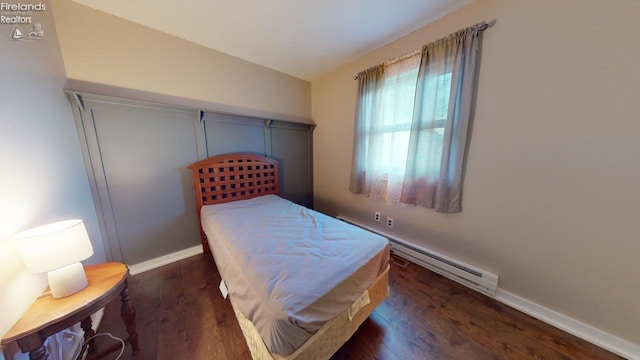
(67, 280)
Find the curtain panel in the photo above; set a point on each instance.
(369, 85)
(412, 124)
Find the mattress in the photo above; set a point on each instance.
(290, 269)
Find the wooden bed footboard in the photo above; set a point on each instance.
(232, 177)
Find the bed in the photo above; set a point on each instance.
(300, 282)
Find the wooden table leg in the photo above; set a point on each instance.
(39, 353)
(87, 326)
(34, 344)
(128, 313)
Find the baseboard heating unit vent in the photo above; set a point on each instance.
(468, 275)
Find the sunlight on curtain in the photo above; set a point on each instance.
(390, 132)
(411, 124)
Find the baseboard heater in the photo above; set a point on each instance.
(468, 275)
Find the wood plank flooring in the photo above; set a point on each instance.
(181, 315)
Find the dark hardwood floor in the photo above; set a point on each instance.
(181, 315)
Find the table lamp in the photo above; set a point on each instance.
(57, 249)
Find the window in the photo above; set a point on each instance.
(411, 125)
(395, 125)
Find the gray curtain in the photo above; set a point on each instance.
(454, 55)
(367, 110)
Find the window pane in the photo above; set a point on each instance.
(396, 113)
(436, 103)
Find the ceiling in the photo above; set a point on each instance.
(303, 38)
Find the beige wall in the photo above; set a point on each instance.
(43, 178)
(551, 193)
(103, 49)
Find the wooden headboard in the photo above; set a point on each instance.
(232, 177)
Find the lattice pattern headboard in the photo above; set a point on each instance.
(232, 177)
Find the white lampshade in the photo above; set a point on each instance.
(57, 249)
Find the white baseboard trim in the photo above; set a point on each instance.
(164, 260)
(572, 326)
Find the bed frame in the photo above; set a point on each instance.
(241, 176)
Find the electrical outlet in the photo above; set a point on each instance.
(377, 216)
(390, 222)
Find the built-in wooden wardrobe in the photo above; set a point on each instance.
(137, 155)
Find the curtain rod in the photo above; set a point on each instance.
(484, 26)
